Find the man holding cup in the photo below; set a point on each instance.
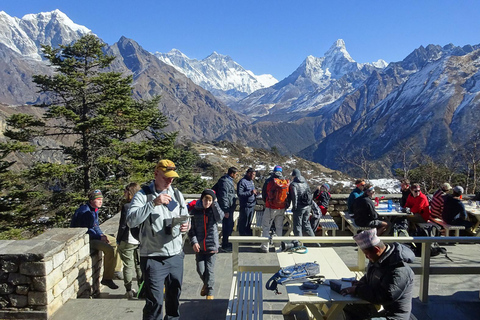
(159, 213)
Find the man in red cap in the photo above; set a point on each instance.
(162, 216)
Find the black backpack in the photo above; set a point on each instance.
(428, 230)
(306, 198)
(136, 231)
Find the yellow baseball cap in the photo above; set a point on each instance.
(168, 167)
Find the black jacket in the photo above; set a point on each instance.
(389, 282)
(204, 230)
(364, 211)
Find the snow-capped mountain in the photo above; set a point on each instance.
(219, 74)
(316, 82)
(26, 35)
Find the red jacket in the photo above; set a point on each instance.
(419, 205)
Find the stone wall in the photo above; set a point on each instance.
(39, 275)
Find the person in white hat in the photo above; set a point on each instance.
(388, 281)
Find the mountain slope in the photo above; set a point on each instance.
(316, 82)
(219, 74)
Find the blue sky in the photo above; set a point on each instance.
(272, 36)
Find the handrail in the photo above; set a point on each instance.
(424, 270)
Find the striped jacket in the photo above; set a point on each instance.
(436, 205)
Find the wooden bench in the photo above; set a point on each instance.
(246, 299)
(352, 226)
(327, 223)
(448, 227)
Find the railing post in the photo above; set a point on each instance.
(425, 276)
(234, 256)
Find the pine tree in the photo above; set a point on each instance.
(107, 138)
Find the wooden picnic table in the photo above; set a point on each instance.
(324, 303)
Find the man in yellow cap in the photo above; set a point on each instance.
(162, 216)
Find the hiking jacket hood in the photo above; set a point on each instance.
(389, 282)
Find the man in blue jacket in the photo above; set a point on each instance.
(87, 217)
(247, 195)
(357, 192)
(227, 200)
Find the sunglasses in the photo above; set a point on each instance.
(418, 190)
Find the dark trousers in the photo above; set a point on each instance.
(245, 221)
(206, 269)
(361, 312)
(227, 228)
(157, 272)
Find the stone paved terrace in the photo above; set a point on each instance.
(450, 297)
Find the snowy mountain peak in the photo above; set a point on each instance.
(219, 74)
(25, 36)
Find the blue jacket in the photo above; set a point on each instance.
(87, 217)
(351, 199)
(246, 196)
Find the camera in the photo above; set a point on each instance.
(290, 245)
(167, 225)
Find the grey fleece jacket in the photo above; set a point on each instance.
(298, 187)
(154, 240)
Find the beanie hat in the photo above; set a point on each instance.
(210, 192)
(95, 194)
(277, 169)
(326, 186)
(367, 239)
(458, 190)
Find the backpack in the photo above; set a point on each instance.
(400, 228)
(299, 272)
(428, 230)
(136, 231)
(278, 193)
(306, 198)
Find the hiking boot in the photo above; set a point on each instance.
(203, 292)
(118, 275)
(131, 295)
(210, 297)
(109, 283)
(226, 250)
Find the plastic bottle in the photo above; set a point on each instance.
(377, 201)
(390, 205)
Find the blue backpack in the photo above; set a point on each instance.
(299, 272)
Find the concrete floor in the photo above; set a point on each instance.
(450, 296)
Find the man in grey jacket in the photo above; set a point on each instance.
(227, 199)
(388, 281)
(162, 217)
(301, 198)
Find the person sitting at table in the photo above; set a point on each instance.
(357, 192)
(438, 198)
(418, 205)
(405, 190)
(388, 281)
(454, 211)
(365, 214)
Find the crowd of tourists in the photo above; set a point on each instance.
(155, 219)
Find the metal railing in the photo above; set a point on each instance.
(424, 270)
